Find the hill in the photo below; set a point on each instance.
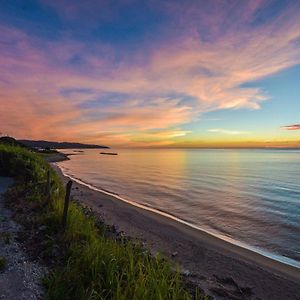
(7, 140)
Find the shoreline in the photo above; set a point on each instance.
(205, 259)
(292, 265)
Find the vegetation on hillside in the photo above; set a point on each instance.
(7, 140)
(87, 262)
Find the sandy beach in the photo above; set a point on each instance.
(222, 269)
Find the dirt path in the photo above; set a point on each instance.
(19, 278)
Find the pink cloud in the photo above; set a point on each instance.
(291, 127)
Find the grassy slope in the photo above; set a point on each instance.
(92, 265)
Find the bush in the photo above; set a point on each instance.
(21, 164)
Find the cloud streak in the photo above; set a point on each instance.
(291, 127)
(228, 132)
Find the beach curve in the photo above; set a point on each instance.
(157, 229)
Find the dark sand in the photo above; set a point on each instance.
(221, 269)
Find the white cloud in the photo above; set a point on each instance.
(228, 132)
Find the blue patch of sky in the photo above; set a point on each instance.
(98, 99)
(31, 17)
(133, 22)
(77, 60)
(282, 108)
(69, 92)
(284, 90)
(103, 100)
(270, 11)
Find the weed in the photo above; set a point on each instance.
(6, 237)
(3, 263)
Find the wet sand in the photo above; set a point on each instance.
(221, 269)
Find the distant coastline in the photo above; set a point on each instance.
(59, 145)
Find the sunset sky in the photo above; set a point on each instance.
(219, 73)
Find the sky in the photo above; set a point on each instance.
(156, 73)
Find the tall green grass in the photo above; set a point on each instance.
(93, 266)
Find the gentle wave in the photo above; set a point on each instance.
(250, 198)
(280, 258)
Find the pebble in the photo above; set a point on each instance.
(186, 273)
(42, 228)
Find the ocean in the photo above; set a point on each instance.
(247, 197)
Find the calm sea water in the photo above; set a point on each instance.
(249, 196)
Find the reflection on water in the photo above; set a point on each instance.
(252, 196)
